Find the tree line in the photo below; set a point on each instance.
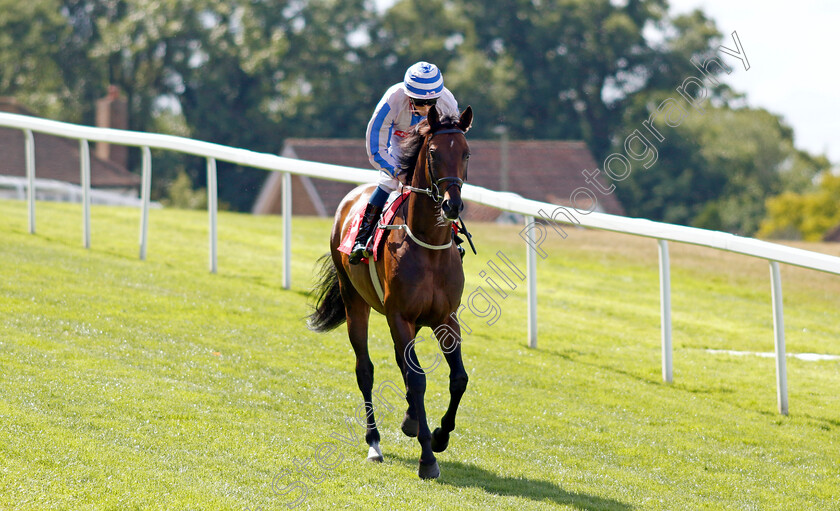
(251, 73)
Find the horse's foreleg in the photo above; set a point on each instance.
(415, 379)
(358, 314)
(449, 338)
(409, 424)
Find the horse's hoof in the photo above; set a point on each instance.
(429, 471)
(440, 440)
(410, 427)
(375, 453)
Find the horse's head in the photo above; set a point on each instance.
(446, 160)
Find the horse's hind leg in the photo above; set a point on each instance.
(449, 338)
(358, 314)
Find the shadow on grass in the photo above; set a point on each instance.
(465, 475)
(565, 355)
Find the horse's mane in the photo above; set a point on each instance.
(411, 144)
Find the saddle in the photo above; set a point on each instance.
(388, 212)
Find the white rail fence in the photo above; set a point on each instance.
(531, 209)
(13, 187)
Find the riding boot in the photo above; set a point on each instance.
(360, 249)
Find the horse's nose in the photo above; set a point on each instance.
(452, 208)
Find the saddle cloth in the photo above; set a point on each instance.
(394, 202)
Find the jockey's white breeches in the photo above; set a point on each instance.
(388, 182)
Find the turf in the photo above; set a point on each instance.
(128, 384)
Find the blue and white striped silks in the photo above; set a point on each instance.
(390, 123)
(423, 80)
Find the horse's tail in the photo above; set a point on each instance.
(329, 307)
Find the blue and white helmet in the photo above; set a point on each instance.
(423, 81)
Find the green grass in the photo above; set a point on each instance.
(128, 384)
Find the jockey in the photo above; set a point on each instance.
(403, 105)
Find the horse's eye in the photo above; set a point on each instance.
(467, 156)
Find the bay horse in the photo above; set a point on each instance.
(420, 272)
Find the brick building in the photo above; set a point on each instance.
(57, 158)
(543, 170)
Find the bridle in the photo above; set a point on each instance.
(435, 183)
(434, 190)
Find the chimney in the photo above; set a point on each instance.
(112, 112)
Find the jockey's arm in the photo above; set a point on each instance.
(378, 137)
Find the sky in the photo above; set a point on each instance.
(794, 53)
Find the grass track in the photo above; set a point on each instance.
(156, 385)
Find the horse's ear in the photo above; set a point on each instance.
(466, 120)
(434, 119)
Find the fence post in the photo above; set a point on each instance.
(779, 332)
(145, 190)
(84, 161)
(665, 307)
(287, 230)
(531, 254)
(30, 176)
(212, 209)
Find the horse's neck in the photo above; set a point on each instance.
(423, 215)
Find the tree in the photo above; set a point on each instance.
(716, 169)
(267, 71)
(252, 73)
(572, 67)
(336, 81)
(246, 74)
(31, 35)
(807, 216)
(716, 163)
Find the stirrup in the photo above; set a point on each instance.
(358, 253)
(367, 249)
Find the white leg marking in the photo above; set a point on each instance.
(374, 453)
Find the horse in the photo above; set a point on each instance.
(421, 275)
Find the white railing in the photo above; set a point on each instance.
(13, 187)
(531, 209)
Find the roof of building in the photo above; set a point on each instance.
(56, 157)
(344, 152)
(544, 170)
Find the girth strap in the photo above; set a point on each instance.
(374, 278)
